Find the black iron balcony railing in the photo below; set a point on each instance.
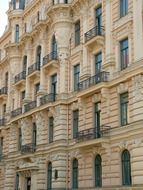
(99, 77)
(92, 133)
(47, 98)
(28, 148)
(2, 122)
(33, 68)
(96, 31)
(20, 76)
(16, 112)
(51, 56)
(3, 90)
(30, 105)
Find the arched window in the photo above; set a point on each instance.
(38, 57)
(49, 179)
(75, 174)
(126, 168)
(98, 171)
(54, 44)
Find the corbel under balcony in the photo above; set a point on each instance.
(94, 36)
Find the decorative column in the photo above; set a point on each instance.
(138, 29)
(109, 63)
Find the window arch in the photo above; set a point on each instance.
(38, 56)
(98, 171)
(49, 177)
(75, 173)
(126, 168)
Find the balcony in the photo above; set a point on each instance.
(2, 122)
(16, 112)
(20, 78)
(47, 99)
(31, 105)
(34, 69)
(28, 148)
(96, 79)
(50, 59)
(91, 134)
(95, 34)
(3, 92)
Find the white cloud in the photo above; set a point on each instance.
(3, 17)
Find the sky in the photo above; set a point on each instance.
(4, 4)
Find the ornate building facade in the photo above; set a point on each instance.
(71, 95)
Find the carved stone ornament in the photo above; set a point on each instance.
(123, 87)
(138, 88)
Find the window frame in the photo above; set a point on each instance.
(77, 31)
(76, 73)
(124, 101)
(98, 167)
(75, 173)
(17, 28)
(126, 168)
(51, 127)
(124, 6)
(75, 123)
(124, 53)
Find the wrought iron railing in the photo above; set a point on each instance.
(47, 98)
(2, 122)
(99, 77)
(96, 31)
(20, 76)
(28, 148)
(30, 105)
(16, 112)
(33, 68)
(92, 133)
(3, 90)
(51, 56)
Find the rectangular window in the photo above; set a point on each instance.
(1, 147)
(17, 182)
(34, 139)
(51, 129)
(54, 86)
(97, 119)
(20, 139)
(98, 62)
(4, 109)
(98, 16)
(124, 108)
(17, 33)
(124, 54)
(77, 33)
(76, 76)
(75, 123)
(37, 88)
(123, 8)
(6, 79)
